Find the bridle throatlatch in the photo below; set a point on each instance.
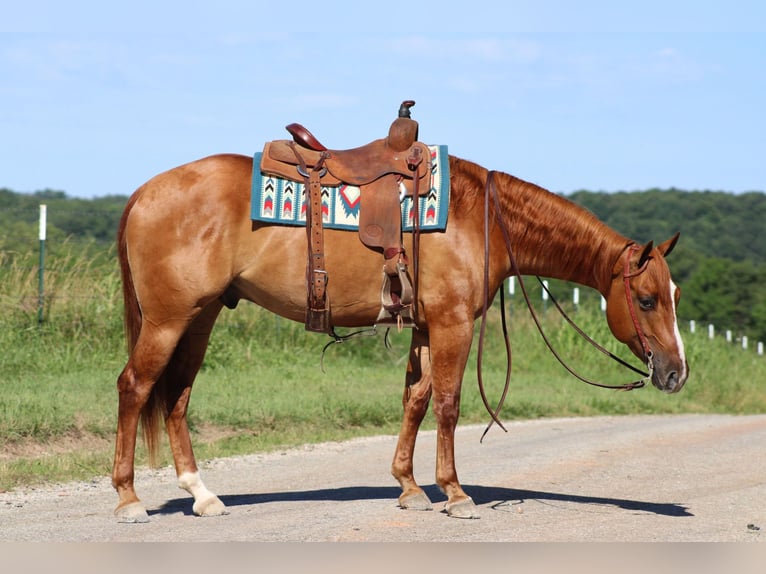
(491, 189)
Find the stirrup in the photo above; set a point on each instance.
(396, 309)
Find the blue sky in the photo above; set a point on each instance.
(96, 99)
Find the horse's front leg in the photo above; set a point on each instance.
(417, 392)
(449, 353)
(438, 372)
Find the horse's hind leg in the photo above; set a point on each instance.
(180, 374)
(135, 384)
(417, 392)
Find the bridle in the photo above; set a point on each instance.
(491, 189)
(626, 277)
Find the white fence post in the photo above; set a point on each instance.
(41, 271)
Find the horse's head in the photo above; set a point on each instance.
(641, 312)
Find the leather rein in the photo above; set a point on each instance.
(491, 189)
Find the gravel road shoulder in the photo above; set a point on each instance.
(607, 479)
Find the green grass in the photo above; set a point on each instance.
(262, 388)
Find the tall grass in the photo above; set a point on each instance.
(262, 386)
(42, 363)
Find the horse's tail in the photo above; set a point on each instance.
(132, 312)
(152, 411)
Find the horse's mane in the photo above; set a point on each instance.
(537, 217)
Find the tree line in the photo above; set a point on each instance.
(720, 261)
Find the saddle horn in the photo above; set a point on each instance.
(404, 130)
(404, 109)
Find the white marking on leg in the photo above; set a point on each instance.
(192, 483)
(205, 502)
(677, 332)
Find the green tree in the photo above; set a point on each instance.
(726, 293)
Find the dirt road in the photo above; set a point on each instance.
(637, 478)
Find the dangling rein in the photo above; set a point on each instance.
(492, 189)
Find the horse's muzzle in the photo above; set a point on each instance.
(670, 380)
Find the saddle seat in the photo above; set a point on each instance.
(359, 166)
(384, 170)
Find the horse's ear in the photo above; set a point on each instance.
(666, 247)
(645, 254)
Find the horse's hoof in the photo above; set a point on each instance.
(464, 508)
(210, 507)
(415, 501)
(132, 513)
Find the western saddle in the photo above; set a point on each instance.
(385, 170)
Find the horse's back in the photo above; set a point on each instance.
(189, 184)
(182, 199)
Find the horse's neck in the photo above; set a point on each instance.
(553, 237)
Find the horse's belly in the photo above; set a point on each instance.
(277, 277)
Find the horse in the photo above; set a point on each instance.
(187, 246)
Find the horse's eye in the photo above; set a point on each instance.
(646, 303)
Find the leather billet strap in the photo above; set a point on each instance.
(317, 307)
(316, 244)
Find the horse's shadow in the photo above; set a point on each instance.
(480, 494)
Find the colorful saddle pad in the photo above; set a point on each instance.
(282, 201)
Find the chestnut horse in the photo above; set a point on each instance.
(187, 244)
